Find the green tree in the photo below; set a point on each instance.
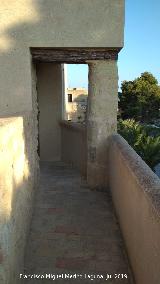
(141, 139)
(140, 98)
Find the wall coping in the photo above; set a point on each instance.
(73, 125)
(145, 177)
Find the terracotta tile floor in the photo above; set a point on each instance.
(74, 231)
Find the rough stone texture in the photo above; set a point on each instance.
(102, 119)
(73, 55)
(74, 230)
(136, 196)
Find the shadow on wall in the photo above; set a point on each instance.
(23, 19)
(18, 176)
(25, 24)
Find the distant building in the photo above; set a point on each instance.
(76, 104)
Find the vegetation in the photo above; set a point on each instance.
(145, 140)
(139, 107)
(140, 99)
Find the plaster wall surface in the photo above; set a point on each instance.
(136, 194)
(50, 23)
(102, 119)
(18, 177)
(74, 145)
(25, 24)
(49, 89)
(18, 181)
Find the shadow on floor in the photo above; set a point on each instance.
(74, 231)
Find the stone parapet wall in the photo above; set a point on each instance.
(74, 145)
(136, 196)
(26, 24)
(18, 178)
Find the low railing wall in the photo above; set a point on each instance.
(18, 181)
(136, 197)
(74, 145)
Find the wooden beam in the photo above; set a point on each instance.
(73, 55)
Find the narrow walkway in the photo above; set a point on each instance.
(74, 231)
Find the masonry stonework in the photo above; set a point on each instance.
(102, 119)
(45, 24)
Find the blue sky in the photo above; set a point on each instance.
(141, 50)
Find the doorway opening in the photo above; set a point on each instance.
(58, 101)
(76, 92)
(62, 92)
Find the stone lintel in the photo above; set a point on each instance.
(73, 55)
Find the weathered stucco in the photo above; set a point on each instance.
(136, 196)
(49, 93)
(18, 171)
(42, 23)
(102, 119)
(74, 145)
(50, 23)
(18, 180)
